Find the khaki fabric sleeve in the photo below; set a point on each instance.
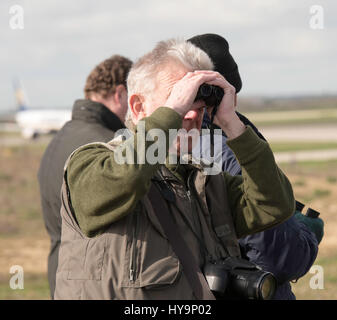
(103, 190)
(262, 197)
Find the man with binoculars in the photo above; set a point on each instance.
(144, 230)
(289, 249)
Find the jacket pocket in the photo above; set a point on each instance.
(86, 260)
(150, 261)
(164, 271)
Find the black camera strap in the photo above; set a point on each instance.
(193, 273)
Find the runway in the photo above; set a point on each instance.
(313, 133)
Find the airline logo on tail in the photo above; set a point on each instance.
(19, 96)
(34, 122)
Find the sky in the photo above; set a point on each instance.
(282, 48)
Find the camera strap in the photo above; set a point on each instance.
(196, 279)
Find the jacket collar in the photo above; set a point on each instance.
(95, 112)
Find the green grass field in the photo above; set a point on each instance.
(293, 117)
(301, 146)
(36, 287)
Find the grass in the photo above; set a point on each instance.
(287, 122)
(300, 146)
(20, 211)
(7, 134)
(294, 117)
(310, 167)
(331, 179)
(302, 288)
(321, 193)
(299, 183)
(35, 288)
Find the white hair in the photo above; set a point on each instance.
(142, 76)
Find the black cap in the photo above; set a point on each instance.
(217, 49)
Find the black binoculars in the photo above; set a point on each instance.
(211, 95)
(311, 213)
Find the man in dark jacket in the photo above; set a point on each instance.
(94, 118)
(289, 249)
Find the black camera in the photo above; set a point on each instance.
(212, 96)
(236, 278)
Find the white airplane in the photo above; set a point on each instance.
(34, 122)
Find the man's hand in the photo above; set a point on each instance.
(225, 117)
(184, 91)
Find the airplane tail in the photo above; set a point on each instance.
(20, 96)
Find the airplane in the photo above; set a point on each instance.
(34, 122)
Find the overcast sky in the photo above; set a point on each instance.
(277, 51)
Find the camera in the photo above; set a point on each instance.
(212, 96)
(236, 278)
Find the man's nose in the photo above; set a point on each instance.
(193, 114)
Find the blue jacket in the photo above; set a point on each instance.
(287, 250)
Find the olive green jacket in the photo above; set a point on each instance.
(107, 200)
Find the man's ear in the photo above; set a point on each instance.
(137, 106)
(120, 91)
(235, 100)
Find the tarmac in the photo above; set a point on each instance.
(313, 133)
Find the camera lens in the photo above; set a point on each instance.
(267, 287)
(254, 284)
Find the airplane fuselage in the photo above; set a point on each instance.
(35, 122)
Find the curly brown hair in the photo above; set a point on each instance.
(106, 76)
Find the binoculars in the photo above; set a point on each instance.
(311, 213)
(211, 95)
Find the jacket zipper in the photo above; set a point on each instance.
(208, 257)
(134, 249)
(188, 191)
